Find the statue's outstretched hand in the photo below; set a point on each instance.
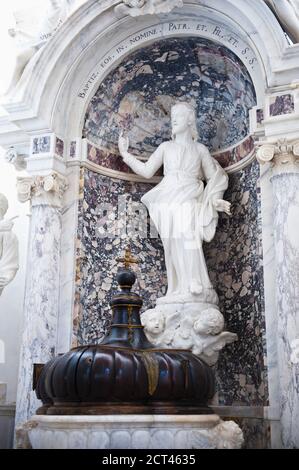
(222, 206)
(123, 144)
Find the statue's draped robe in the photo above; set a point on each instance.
(9, 254)
(181, 207)
(287, 13)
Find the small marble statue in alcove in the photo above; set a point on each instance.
(287, 12)
(9, 248)
(30, 33)
(184, 207)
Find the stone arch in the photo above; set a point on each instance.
(47, 95)
(144, 86)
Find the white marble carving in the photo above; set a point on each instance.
(117, 432)
(185, 213)
(287, 11)
(48, 189)
(188, 325)
(9, 247)
(226, 435)
(16, 159)
(41, 305)
(31, 33)
(282, 155)
(147, 7)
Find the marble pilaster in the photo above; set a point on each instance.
(68, 258)
(41, 304)
(283, 157)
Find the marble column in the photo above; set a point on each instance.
(41, 303)
(284, 159)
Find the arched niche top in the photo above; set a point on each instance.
(58, 84)
(136, 98)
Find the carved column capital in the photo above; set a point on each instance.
(283, 156)
(42, 190)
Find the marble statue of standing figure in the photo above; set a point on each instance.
(184, 207)
(9, 248)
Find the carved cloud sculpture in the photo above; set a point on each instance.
(147, 7)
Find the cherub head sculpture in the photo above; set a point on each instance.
(153, 322)
(229, 435)
(210, 322)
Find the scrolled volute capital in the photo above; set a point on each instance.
(283, 155)
(24, 188)
(46, 190)
(265, 153)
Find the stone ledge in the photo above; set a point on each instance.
(255, 412)
(7, 410)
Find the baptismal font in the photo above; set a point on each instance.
(126, 386)
(138, 384)
(125, 373)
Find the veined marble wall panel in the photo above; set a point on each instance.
(137, 97)
(97, 255)
(235, 263)
(257, 432)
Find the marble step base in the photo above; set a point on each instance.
(129, 432)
